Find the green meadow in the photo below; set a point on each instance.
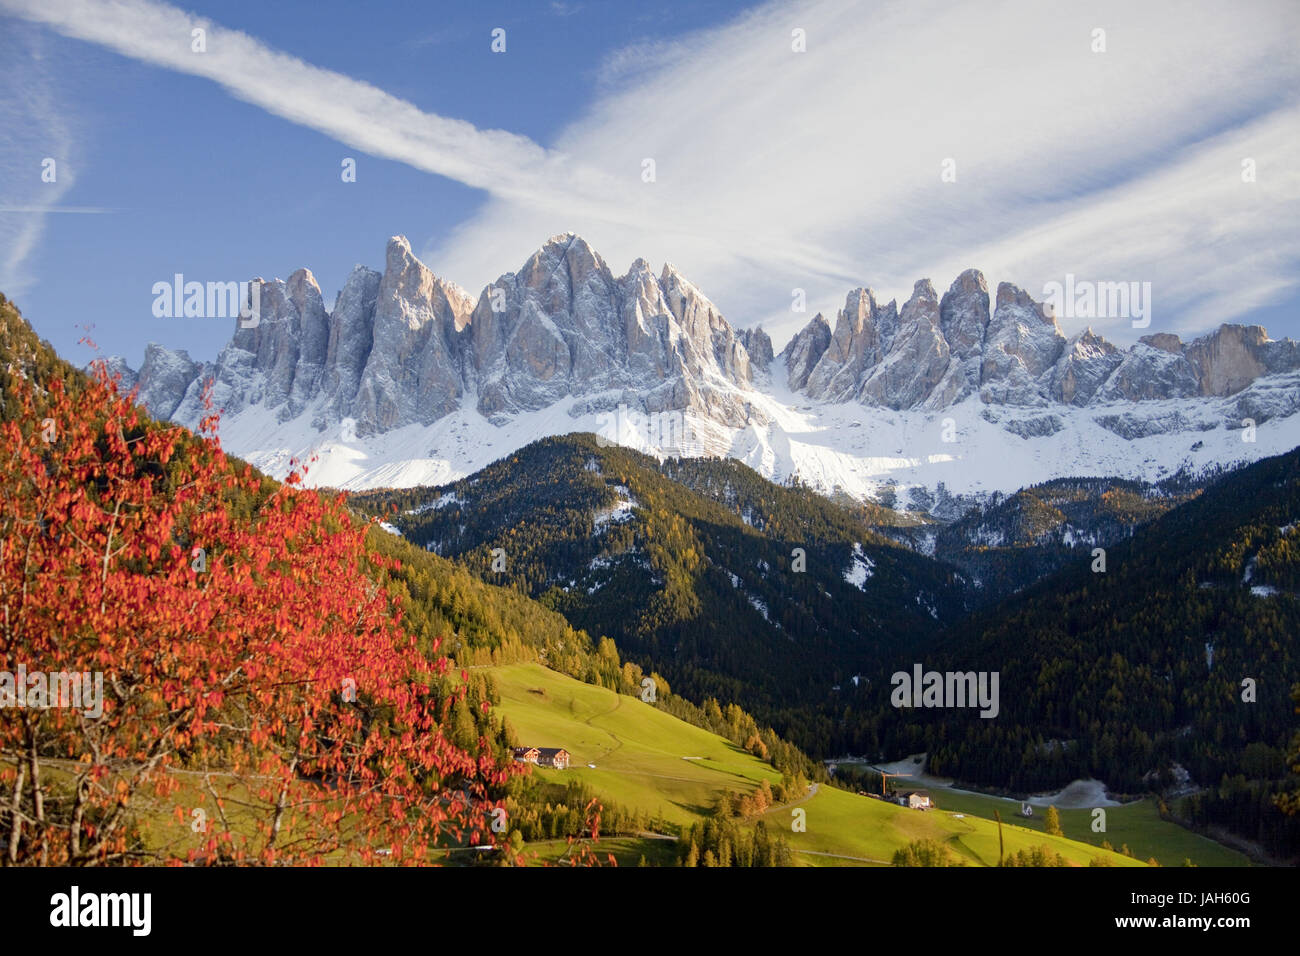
(648, 760)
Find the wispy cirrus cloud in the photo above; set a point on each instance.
(821, 170)
(35, 133)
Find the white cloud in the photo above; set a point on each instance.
(821, 170)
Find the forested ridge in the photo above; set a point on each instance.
(745, 601)
(1182, 652)
(1009, 542)
(485, 625)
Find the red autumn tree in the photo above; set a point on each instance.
(257, 684)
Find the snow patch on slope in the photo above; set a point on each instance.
(861, 568)
(864, 452)
(616, 513)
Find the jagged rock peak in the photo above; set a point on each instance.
(1010, 295)
(801, 353)
(964, 322)
(1164, 341)
(1085, 365)
(759, 346)
(404, 346)
(406, 277)
(970, 281)
(923, 301)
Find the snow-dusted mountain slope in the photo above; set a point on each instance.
(409, 380)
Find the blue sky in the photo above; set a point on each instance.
(776, 169)
(201, 183)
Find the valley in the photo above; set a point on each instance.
(674, 773)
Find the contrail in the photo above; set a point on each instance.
(44, 209)
(348, 110)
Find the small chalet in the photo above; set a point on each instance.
(556, 757)
(527, 754)
(916, 799)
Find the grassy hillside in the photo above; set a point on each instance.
(650, 761)
(1137, 825)
(639, 752)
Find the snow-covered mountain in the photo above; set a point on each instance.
(410, 380)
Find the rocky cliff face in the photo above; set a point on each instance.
(412, 372)
(864, 331)
(964, 323)
(404, 346)
(805, 350)
(352, 336)
(566, 326)
(916, 357)
(1086, 363)
(934, 354)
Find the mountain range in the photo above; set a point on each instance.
(410, 380)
